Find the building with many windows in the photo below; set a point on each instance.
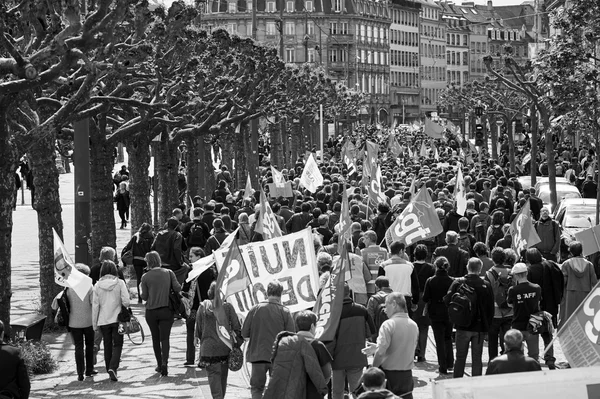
(457, 45)
(405, 79)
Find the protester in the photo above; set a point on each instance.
(139, 245)
(110, 294)
(457, 257)
(423, 271)
(376, 303)
(500, 280)
(14, 379)
(549, 232)
(263, 322)
(359, 276)
(214, 352)
(402, 275)
(514, 360)
(396, 345)
(168, 246)
(123, 201)
(156, 286)
(373, 255)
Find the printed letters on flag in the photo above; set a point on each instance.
(522, 231)
(433, 130)
(349, 156)
(65, 273)
(374, 188)
(248, 191)
(417, 222)
(311, 177)
(266, 224)
(460, 192)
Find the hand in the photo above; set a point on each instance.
(414, 307)
(370, 349)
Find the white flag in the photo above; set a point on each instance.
(311, 177)
(278, 178)
(266, 224)
(460, 192)
(65, 273)
(248, 191)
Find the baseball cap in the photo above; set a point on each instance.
(519, 268)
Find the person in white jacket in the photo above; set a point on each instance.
(110, 293)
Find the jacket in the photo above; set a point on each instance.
(548, 276)
(264, 321)
(140, 244)
(214, 242)
(457, 258)
(206, 330)
(549, 232)
(13, 372)
(513, 361)
(436, 288)
(80, 312)
(485, 302)
(122, 200)
(378, 394)
(293, 360)
(110, 293)
(377, 299)
(298, 222)
(354, 328)
(168, 245)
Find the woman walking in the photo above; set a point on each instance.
(123, 201)
(213, 351)
(156, 286)
(424, 270)
(110, 293)
(140, 245)
(436, 288)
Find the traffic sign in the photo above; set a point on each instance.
(499, 122)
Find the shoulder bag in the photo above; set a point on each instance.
(129, 324)
(175, 303)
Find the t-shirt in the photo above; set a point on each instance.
(324, 357)
(525, 300)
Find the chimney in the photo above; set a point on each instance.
(490, 5)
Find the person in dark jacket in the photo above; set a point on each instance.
(14, 380)
(299, 221)
(374, 382)
(435, 289)
(514, 360)
(549, 232)
(475, 333)
(168, 245)
(354, 328)
(216, 239)
(549, 277)
(140, 245)
(123, 202)
(423, 271)
(457, 257)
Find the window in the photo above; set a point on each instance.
(271, 29)
(232, 28)
(289, 6)
(290, 28)
(333, 28)
(308, 5)
(249, 29)
(337, 5)
(310, 28)
(232, 7)
(249, 6)
(290, 55)
(333, 56)
(465, 41)
(369, 34)
(311, 55)
(270, 6)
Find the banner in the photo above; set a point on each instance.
(460, 192)
(417, 222)
(433, 130)
(311, 177)
(231, 279)
(284, 191)
(394, 148)
(349, 156)
(290, 259)
(345, 222)
(374, 188)
(589, 239)
(580, 335)
(372, 156)
(423, 152)
(65, 273)
(248, 190)
(522, 231)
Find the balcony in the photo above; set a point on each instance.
(337, 65)
(340, 39)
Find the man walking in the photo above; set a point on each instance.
(473, 334)
(402, 274)
(396, 344)
(264, 321)
(549, 232)
(372, 255)
(456, 256)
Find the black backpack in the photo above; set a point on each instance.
(380, 315)
(462, 309)
(495, 236)
(64, 309)
(500, 285)
(480, 230)
(196, 238)
(464, 243)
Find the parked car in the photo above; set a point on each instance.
(574, 215)
(546, 180)
(563, 190)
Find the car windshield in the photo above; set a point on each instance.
(578, 218)
(560, 194)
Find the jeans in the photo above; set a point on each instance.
(124, 215)
(217, 379)
(190, 328)
(463, 340)
(85, 363)
(160, 322)
(400, 382)
(547, 337)
(533, 344)
(499, 327)
(113, 346)
(258, 378)
(442, 332)
(422, 341)
(339, 381)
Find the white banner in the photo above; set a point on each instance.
(290, 259)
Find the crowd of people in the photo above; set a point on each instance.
(394, 293)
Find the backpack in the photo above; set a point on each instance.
(480, 231)
(464, 242)
(500, 285)
(196, 238)
(462, 309)
(64, 309)
(380, 315)
(495, 236)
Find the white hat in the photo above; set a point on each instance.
(519, 268)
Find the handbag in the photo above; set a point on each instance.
(236, 358)
(124, 315)
(132, 326)
(127, 257)
(176, 304)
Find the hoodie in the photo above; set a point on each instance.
(378, 394)
(109, 294)
(583, 270)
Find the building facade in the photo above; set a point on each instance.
(457, 45)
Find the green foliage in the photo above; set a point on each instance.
(37, 357)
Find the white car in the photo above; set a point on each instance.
(563, 190)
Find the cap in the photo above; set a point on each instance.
(519, 268)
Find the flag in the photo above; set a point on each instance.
(423, 152)
(266, 223)
(328, 307)
(345, 221)
(374, 188)
(452, 127)
(349, 156)
(191, 207)
(417, 222)
(522, 231)
(433, 130)
(412, 187)
(526, 159)
(372, 153)
(278, 178)
(410, 153)
(65, 273)
(436, 154)
(394, 149)
(311, 177)
(460, 192)
(233, 278)
(248, 191)
(579, 335)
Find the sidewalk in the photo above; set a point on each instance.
(137, 377)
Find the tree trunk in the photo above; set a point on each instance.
(8, 154)
(139, 181)
(208, 167)
(251, 158)
(102, 189)
(511, 146)
(550, 155)
(534, 138)
(239, 148)
(42, 160)
(168, 193)
(276, 145)
(285, 143)
(296, 144)
(192, 167)
(226, 142)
